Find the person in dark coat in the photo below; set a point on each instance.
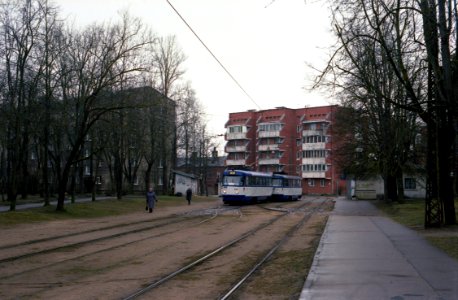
(189, 195)
(151, 200)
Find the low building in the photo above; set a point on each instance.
(371, 187)
(184, 181)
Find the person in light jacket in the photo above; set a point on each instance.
(151, 200)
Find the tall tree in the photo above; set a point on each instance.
(93, 64)
(168, 66)
(423, 73)
(20, 23)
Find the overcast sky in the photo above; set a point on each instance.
(264, 44)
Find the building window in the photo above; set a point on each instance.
(311, 182)
(87, 170)
(315, 153)
(314, 168)
(235, 129)
(98, 180)
(410, 183)
(322, 182)
(270, 127)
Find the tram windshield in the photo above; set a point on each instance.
(232, 180)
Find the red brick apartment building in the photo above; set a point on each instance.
(295, 141)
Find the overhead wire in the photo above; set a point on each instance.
(213, 55)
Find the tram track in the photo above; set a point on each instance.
(128, 252)
(269, 254)
(181, 221)
(219, 250)
(119, 225)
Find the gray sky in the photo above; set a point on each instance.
(265, 45)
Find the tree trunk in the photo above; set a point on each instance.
(445, 182)
(62, 188)
(400, 186)
(118, 177)
(148, 175)
(391, 188)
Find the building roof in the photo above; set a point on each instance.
(192, 176)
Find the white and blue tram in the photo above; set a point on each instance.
(286, 187)
(240, 186)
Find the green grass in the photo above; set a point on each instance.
(412, 214)
(449, 244)
(95, 209)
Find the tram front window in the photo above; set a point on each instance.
(232, 180)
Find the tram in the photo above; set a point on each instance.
(240, 186)
(286, 187)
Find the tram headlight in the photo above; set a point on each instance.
(223, 191)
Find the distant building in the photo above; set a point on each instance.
(143, 102)
(207, 170)
(295, 141)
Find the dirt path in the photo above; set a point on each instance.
(114, 267)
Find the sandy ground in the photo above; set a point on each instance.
(112, 257)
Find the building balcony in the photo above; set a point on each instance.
(236, 136)
(314, 146)
(268, 134)
(321, 175)
(314, 161)
(312, 132)
(230, 149)
(269, 161)
(235, 162)
(272, 147)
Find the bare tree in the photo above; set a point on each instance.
(423, 75)
(168, 68)
(93, 64)
(168, 64)
(189, 118)
(20, 23)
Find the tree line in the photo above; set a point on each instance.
(71, 95)
(395, 68)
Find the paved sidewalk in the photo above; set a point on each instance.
(363, 255)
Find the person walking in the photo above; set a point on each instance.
(151, 200)
(189, 195)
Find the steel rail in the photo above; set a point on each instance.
(269, 254)
(212, 253)
(78, 244)
(99, 251)
(56, 237)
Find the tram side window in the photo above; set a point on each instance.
(251, 181)
(259, 181)
(276, 182)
